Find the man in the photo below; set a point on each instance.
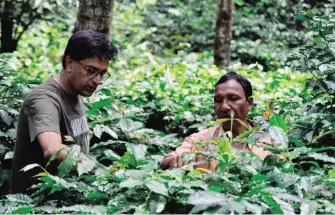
(53, 113)
(233, 95)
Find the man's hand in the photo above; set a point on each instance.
(51, 143)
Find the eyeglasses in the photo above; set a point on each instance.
(93, 72)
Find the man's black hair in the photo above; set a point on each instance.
(88, 44)
(245, 83)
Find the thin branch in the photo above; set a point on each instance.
(25, 27)
(18, 19)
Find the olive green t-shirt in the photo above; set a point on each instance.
(47, 108)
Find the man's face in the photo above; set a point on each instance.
(230, 96)
(86, 75)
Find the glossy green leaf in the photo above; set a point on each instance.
(276, 120)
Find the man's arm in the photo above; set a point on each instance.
(51, 142)
(44, 126)
(174, 159)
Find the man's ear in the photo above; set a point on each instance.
(68, 63)
(250, 101)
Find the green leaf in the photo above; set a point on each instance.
(301, 17)
(322, 157)
(5, 117)
(157, 187)
(53, 157)
(22, 210)
(130, 183)
(110, 142)
(29, 167)
(308, 207)
(20, 198)
(2, 134)
(284, 206)
(83, 209)
(331, 173)
(331, 85)
(275, 208)
(137, 150)
(95, 195)
(85, 166)
(69, 162)
(126, 125)
(141, 210)
(284, 180)
(101, 103)
(45, 208)
(253, 208)
(206, 198)
(279, 137)
(97, 131)
(259, 178)
(296, 142)
(9, 155)
(11, 133)
(157, 204)
(109, 131)
(111, 153)
(276, 120)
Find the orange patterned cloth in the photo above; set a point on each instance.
(190, 145)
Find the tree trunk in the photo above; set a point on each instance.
(95, 15)
(8, 42)
(223, 37)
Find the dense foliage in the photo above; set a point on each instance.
(161, 91)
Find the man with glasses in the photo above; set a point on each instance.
(52, 115)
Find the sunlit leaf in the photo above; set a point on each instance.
(20, 198)
(322, 157)
(70, 161)
(126, 125)
(206, 198)
(284, 206)
(276, 120)
(9, 155)
(130, 183)
(111, 153)
(138, 151)
(279, 137)
(29, 167)
(85, 166)
(157, 187)
(157, 204)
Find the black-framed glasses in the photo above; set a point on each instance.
(93, 72)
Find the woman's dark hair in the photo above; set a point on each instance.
(245, 83)
(89, 44)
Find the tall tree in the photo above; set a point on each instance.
(223, 37)
(17, 16)
(95, 15)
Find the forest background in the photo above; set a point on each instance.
(161, 91)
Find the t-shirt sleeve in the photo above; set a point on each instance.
(43, 115)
